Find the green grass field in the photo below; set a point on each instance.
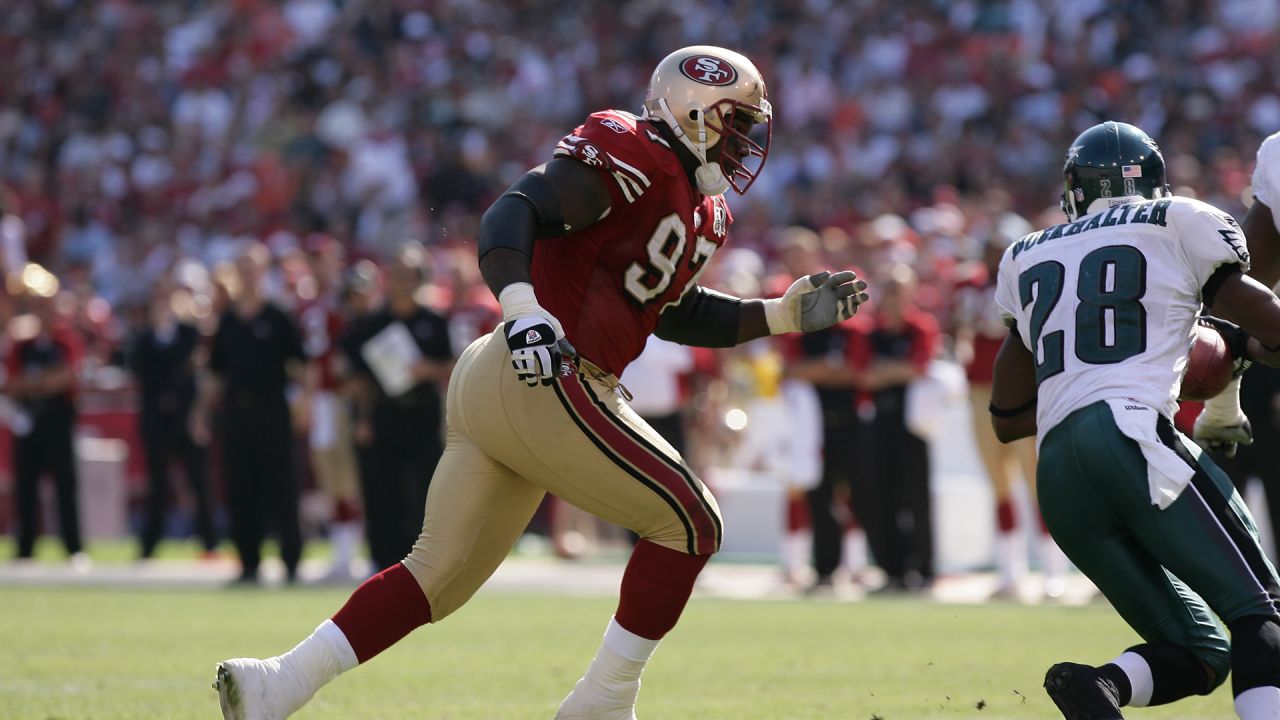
(76, 653)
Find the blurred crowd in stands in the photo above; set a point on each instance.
(144, 146)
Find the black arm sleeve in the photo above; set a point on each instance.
(1210, 289)
(704, 318)
(529, 209)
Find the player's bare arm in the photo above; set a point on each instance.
(1013, 391)
(1256, 310)
(1264, 243)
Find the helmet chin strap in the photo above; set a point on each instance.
(708, 176)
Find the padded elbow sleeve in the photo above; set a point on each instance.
(508, 223)
(704, 318)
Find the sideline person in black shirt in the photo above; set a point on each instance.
(255, 353)
(399, 432)
(43, 366)
(163, 360)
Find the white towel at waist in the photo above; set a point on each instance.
(1167, 474)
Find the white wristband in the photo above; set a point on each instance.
(518, 300)
(1224, 408)
(781, 315)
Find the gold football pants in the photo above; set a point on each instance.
(507, 444)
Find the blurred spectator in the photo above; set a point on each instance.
(892, 496)
(42, 369)
(402, 356)
(819, 358)
(654, 381)
(327, 412)
(377, 121)
(254, 354)
(782, 438)
(163, 358)
(979, 332)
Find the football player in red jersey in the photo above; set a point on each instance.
(588, 254)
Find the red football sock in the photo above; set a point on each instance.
(797, 514)
(384, 609)
(655, 587)
(1006, 520)
(345, 511)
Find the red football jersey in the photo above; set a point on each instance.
(320, 325)
(608, 283)
(975, 306)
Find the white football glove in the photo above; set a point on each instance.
(534, 335)
(815, 302)
(1221, 425)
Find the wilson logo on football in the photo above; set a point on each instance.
(531, 337)
(709, 70)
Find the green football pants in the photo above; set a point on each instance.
(1164, 571)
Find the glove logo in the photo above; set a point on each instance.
(532, 337)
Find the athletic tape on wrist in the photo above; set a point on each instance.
(518, 300)
(780, 315)
(1224, 408)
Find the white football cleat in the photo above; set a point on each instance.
(587, 702)
(251, 689)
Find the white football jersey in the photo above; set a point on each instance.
(1106, 304)
(1266, 175)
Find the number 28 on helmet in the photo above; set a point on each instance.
(1111, 163)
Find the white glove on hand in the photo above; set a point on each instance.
(533, 335)
(815, 302)
(1222, 426)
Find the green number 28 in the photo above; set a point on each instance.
(1111, 323)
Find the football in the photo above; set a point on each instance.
(1209, 366)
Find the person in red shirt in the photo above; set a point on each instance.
(328, 422)
(42, 367)
(588, 255)
(979, 332)
(892, 496)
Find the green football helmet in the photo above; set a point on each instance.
(1110, 164)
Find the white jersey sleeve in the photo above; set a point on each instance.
(1210, 239)
(1266, 174)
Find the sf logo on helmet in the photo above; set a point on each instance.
(708, 70)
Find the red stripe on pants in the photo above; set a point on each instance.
(639, 456)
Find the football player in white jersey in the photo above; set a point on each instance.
(1260, 223)
(1102, 310)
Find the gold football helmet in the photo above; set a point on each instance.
(698, 92)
